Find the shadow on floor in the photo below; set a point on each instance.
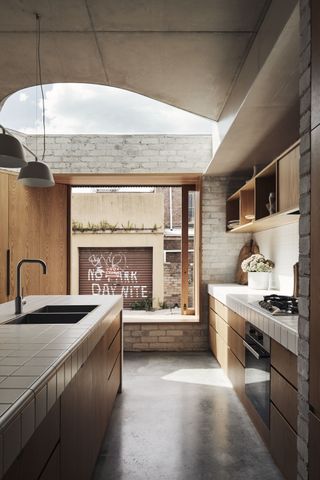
(179, 419)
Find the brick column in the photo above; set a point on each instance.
(304, 245)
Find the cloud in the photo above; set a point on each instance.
(23, 97)
(81, 108)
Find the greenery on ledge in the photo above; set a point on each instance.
(104, 226)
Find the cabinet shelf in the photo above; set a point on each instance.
(250, 205)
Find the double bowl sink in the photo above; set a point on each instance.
(54, 314)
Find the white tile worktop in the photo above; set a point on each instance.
(38, 361)
(244, 301)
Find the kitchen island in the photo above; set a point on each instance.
(58, 383)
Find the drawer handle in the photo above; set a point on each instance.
(251, 350)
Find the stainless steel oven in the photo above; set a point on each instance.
(257, 370)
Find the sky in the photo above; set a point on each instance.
(94, 109)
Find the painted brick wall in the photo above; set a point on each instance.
(123, 153)
(304, 242)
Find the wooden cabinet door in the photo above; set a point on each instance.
(24, 235)
(53, 248)
(4, 241)
(288, 181)
(283, 444)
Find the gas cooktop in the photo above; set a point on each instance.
(280, 304)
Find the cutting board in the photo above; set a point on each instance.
(246, 251)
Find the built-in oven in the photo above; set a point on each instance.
(257, 370)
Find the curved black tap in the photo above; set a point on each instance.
(18, 299)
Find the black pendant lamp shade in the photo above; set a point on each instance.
(11, 151)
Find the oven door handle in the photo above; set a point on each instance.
(251, 350)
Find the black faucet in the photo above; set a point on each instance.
(18, 299)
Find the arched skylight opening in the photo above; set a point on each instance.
(73, 108)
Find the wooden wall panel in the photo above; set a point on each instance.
(53, 239)
(3, 235)
(24, 238)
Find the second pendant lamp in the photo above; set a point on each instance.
(36, 173)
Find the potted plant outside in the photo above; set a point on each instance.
(258, 268)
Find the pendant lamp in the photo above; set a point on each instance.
(11, 151)
(36, 173)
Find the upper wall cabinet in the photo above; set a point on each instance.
(269, 199)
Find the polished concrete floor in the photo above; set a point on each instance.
(179, 419)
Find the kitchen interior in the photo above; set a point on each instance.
(245, 401)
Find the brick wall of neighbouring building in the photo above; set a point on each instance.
(126, 153)
(304, 246)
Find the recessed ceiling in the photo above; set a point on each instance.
(187, 53)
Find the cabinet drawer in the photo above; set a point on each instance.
(219, 348)
(285, 398)
(113, 353)
(235, 343)
(314, 441)
(52, 469)
(222, 329)
(113, 385)
(112, 330)
(283, 444)
(237, 323)
(212, 318)
(285, 362)
(219, 325)
(218, 307)
(236, 373)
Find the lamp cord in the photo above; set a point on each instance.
(41, 86)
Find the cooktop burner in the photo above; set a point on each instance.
(280, 304)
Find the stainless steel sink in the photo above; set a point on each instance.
(66, 309)
(48, 318)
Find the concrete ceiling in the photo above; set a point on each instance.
(267, 121)
(187, 53)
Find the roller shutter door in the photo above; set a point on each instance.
(116, 271)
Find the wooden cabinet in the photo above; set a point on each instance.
(285, 398)
(285, 362)
(236, 373)
(24, 235)
(235, 343)
(4, 239)
(34, 224)
(249, 204)
(38, 451)
(86, 405)
(288, 181)
(283, 444)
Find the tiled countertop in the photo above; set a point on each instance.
(244, 301)
(38, 361)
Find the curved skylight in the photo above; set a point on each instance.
(73, 108)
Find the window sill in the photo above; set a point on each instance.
(133, 316)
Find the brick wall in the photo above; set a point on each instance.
(304, 244)
(123, 153)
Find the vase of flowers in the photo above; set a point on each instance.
(258, 268)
